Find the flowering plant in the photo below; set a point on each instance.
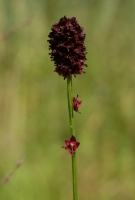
(66, 42)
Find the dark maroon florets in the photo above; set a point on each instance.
(71, 145)
(67, 47)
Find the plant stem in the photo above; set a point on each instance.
(72, 132)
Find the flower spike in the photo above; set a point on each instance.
(66, 42)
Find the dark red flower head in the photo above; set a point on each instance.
(71, 145)
(67, 47)
(76, 104)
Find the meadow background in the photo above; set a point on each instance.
(33, 106)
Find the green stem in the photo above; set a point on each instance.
(72, 132)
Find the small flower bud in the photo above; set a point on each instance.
(71, 145)
(76, 104)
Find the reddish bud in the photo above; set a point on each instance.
(76, 104)
(71, 145)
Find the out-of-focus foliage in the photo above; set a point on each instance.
(33, 104)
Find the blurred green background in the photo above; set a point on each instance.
(33, 106)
